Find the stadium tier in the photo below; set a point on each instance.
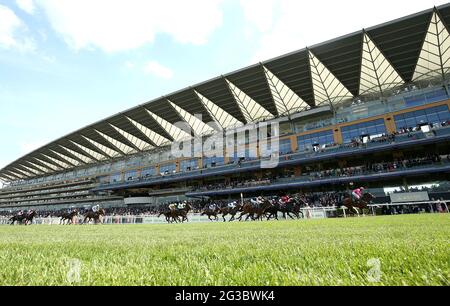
(370, 108)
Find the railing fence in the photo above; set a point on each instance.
(308, 213)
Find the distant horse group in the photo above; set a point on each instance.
(176, 215)
(24, 218)
(267, 209)
(65, 217)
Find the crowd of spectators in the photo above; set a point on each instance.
(312, 174)
(236, 184)
(372, 168)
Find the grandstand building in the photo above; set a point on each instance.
(370, 108)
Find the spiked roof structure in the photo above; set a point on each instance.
(366, 62)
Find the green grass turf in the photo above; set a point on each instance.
(412, 250)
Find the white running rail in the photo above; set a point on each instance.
(308, 213)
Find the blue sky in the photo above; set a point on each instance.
(68, 63)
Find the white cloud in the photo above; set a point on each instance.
(129, 24)
(129, 65)
(26, 5)
(158, 70)
(259, 13)
(12, 31)
(294, 24)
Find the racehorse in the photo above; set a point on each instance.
(353, 205)
(91, 215)
(251, 210)
(225, 211)
(183, 213)
(211, 213)
(175, 214)
(25, 217)
(69, 217)
(293, 207)
(170, 214)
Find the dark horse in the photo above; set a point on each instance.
(293, 207)
(183, 213)
(68, 217)
(171, 215)
(251, 210)
(353, 205)
(211, 213)
(91, 215)
(175, 214)
(24, 218)
(225, 211)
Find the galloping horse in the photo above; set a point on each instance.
(353, 205)
(171, 215)
(91, 215)
(176, 214)
(251, 210)
(183, 213)
(292, 207)
(69, 217)
(225, 211)
(211, 213)
(26, 217)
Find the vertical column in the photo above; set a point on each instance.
(337, 135)
(390, 124)
(294, 145)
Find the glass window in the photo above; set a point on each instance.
(355, 131)
(433, 115)
(285, 146)
(148, 172)
(189, 165)
(211, 162)
(306, 142)
(168, 169)
(115, 178)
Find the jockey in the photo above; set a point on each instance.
(358, 192)
(257, 201)
(20, 212)
(181, 205)
(95, 208)
(212, 206)
(285, 199)
(173, 207)
(232, 205)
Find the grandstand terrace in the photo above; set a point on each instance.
(371, 108)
